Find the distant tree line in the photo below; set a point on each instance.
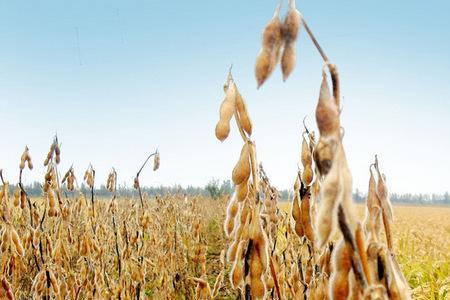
(216, 189)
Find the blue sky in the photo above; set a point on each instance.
(148, 74)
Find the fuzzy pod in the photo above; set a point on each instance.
(342, 264)
(292, 23)
(6, 238)
(242, 191)
(307, 175)
(288, 59)
(226, 113)
(237, 271)
(244, 118)
(296, 211)
(17, 242)
(327, 112)
(272, 40)
(306, 157)
(257, 288)
(8, 290)
(330, 196)
(372, 223)
(17, 195)
(306, 217)
(23, 199)
(156, 161)
(241, 171)
(324, 153)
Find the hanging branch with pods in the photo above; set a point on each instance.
(156, 163)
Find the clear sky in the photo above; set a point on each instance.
(117, 79)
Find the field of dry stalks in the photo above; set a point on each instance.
(319, 245)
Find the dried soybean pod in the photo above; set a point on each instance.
(296, 213)
(361, 247)
(272, 41)
(17, 195)
(237, 271)
(324, 153)
(226, 113)
(373, 217)
(23, 199)
(288, 60)
(291, 28)
(232, 210)
(6, 238)
(306, 158)
(341, 267)
(306, 217)
(17, 243)
(306, 153)
(23, 158)
(242, 190)
(241, 171)
(330, 195)
(244, 118)
(156, 161)
(7, 287)
(292, 22)
(327, 112)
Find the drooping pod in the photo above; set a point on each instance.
(306, 217)
(232, 211)
(156, 161)
(330, 196)
(342, 265)
(242, 190)
(241, 171)
(291, 28)
(327, 112)
(244, 119)
(26, 159)
(272, 41)
(306, 159)
(372, 222)
(226, 113)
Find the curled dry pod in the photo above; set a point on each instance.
(244, 118)
(327, 112)
(272, 41)
(241, 171)
(226, 113)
